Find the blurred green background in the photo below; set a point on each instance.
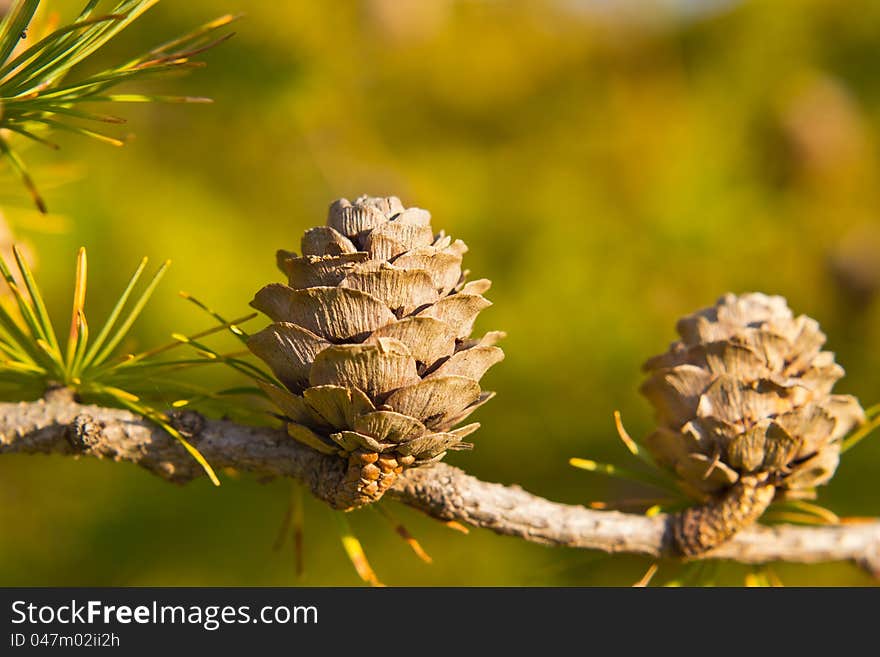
(611, 170)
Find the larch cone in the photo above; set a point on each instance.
(371, 342)
(745, 414)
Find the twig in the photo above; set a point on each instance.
(59, 425)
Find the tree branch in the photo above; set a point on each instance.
(59, 425)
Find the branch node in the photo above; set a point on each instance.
(59, 394)
(189, 423)
(84, 433)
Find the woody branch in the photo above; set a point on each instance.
(60, 425)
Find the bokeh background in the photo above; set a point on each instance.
(612, 166)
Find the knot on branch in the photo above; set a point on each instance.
(85, 434)
(189, 423)
(57, 394)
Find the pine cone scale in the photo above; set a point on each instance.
(428, 339)
(389, 426)
(337, 405)
(334, 313)
(325, 241)
(376, 369)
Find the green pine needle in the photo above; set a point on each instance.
(649, 475)
(118, 333)
(38, 93)
(114, 315)
(645, 478)
(31, 356)
(863, 431)
(133, 404)
(14, 25)
(39, 304)
(232, 326)
(248, 369)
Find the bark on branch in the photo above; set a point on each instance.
(59, 425)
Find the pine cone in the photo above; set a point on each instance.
(371, 338)
(745, 413)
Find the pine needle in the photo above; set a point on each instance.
(79, 301)
(860, 434)
(133, 359)
(823, 515)
(116, 337)
(355, 551)
(612, 470)
(624, 436)
(763, 577)
(37, 87)
(456, 526)
(21, 170)
(292, 523)
(283, 530)
(36, 296)
(27, 335)
(402, 531)
(124, 399)
(298, 527)
(114, 314)
(647, 577)
(231, 326)
(14, 24)
(794, 517)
